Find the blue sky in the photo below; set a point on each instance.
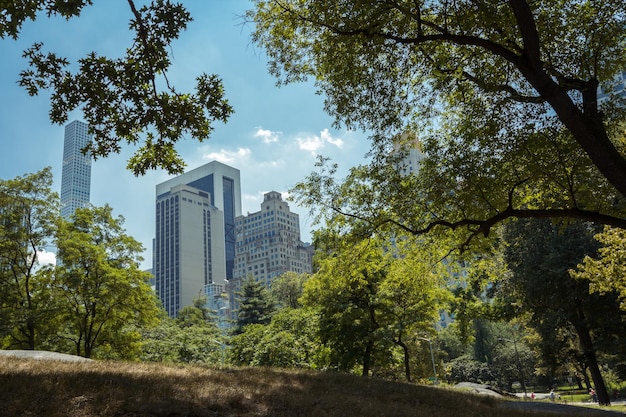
(272, 138)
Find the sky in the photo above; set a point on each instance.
(273, 137)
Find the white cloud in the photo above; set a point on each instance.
(311, 144)
(267, 135)
(314, 143)
(46, 258)
(328, 138)
(227, 156)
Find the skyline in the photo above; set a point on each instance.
(273, 137)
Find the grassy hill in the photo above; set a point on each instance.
(88, 389)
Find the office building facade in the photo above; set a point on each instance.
(268, 242)
(194, 246)
(76, 172)
(616, 87)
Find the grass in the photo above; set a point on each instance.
(88, 389)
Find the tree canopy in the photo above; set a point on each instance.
(101, 292)
(375, 294)
(503, 98)
(28, 209)
(540, 254)
(255, 305)
(128, 99)
(607, 273)
(94, 301)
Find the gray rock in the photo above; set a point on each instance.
(44, 355)
(479, 389)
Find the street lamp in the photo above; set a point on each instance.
(432, 357)
(519, 363)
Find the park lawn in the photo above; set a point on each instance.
(121, 389)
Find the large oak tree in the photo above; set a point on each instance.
(502, 95)
(102, 294)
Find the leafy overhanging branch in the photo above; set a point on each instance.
(404, 25)
(476, 227)
(355, 207)
(121, 99)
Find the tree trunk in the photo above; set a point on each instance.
(590, 356)
(586, 125)
(407, 363)
(29, 331)
(367, 358)
(594, 369)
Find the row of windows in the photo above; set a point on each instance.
(255, 217)
(189, 200)
(260, 275)
(257, 237)
(254, 245)
(266, 224)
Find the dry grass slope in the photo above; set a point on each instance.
(107, 389)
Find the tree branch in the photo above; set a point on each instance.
(143, 35)
(528, 30)
(483, 227)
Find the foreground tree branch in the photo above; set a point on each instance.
(490, 90)
(120, 97)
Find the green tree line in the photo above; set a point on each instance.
(92, 301)
(371, 307)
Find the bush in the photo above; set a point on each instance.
(467, 369)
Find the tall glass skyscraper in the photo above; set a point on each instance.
(76, 173)
(194, 245)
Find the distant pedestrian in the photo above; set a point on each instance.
(552, 395)
(532, 396)
(593, 395)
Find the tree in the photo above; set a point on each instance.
(192, 337)
(126, 99)
(607, 273)
(496, 353)
(503, 97)
(161, 343)
(539, 254)
(287, 289)
(199, 339)
(414, 292)
(195, 314)
(346, 292)
(102, 294)
(28, 209)
(375, 294)
(255, 305)
(290, 340)
(244, 344)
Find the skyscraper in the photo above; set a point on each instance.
(194, 246)
(268, 242)
(76, 173)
